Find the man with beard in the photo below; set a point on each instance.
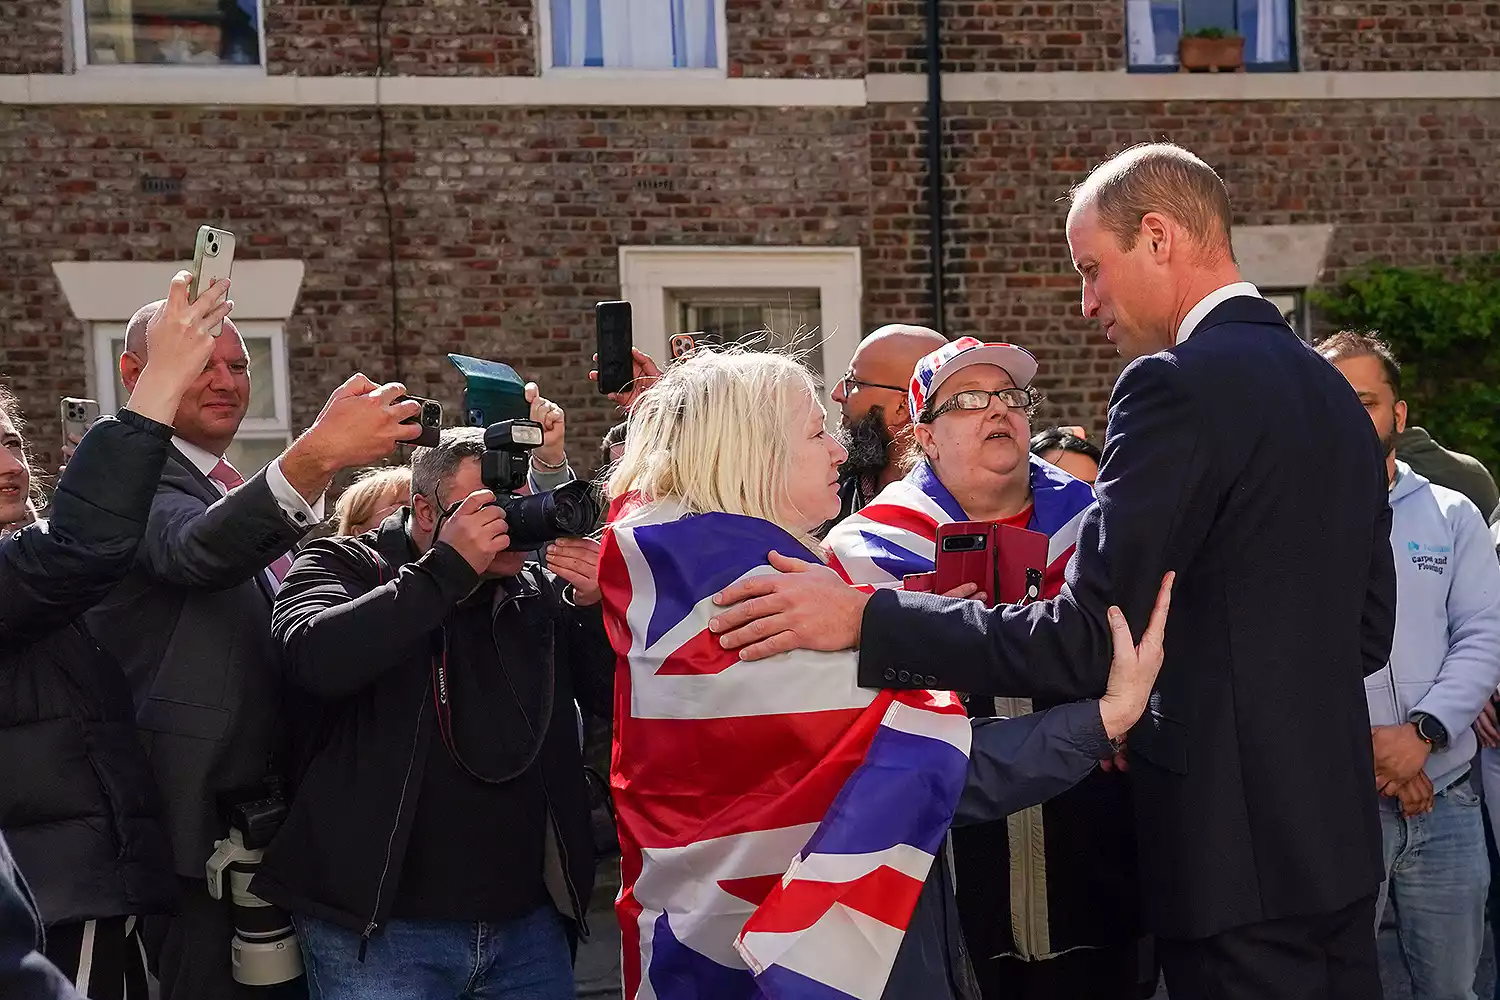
(875, 418)
(1444, 665)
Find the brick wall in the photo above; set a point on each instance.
(1380, 35)
(821, 39)
(1001, 36)
(423, 37)
(509, 224)
(32, 36)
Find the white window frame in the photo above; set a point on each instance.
(187, 74)
(277, 428)
(649, 276)
(543, 14)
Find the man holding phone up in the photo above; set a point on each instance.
(191, 625)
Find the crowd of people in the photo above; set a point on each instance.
(1252, 709)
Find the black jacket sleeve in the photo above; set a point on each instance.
(1152, 514)
(590, 656)
(25, 974)
(340, 628)
(1377, 625)
(1020, 762)
(51, 574)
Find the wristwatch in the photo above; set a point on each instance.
(1431, 731)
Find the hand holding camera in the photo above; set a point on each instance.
(553, 454)
(576, 560)
(477, 530)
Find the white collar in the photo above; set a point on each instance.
(1210, 302)
(204, 462)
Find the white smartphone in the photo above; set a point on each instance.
(77, 416)
(213, 256)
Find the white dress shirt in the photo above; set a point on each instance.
(1212, 301)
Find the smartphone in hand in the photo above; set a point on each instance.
(612, 327)
(430, 419)
(77, 416)
(213, 256)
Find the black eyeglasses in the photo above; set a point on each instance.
(849, 382)
(979, 399)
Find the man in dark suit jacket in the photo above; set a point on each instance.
(1233, 456)
(191, 624)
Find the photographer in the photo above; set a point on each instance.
(77, 800)
(440, 843)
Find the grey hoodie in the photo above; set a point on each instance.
(1445, 658)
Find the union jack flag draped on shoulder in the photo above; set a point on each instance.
(896, 533)
(776, 820)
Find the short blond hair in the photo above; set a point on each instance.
(361, 500)
(1159, 177)
(712, 435)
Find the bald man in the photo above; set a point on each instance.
(191, 624)
(1239, 458)
(872, 400)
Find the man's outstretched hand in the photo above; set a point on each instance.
(804, 606)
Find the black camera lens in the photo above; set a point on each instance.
(432, 414)
(570, 510)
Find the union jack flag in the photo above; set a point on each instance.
(896, 533)
(776, 820)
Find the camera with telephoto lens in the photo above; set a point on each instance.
(264, 949)
(495, 399)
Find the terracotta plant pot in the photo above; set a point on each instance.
(1212, 54)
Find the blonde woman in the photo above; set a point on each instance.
(374, 496)
(724, 771)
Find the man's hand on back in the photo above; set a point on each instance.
(804, 606)
(360, 423)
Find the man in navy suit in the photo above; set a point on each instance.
(1235, 456)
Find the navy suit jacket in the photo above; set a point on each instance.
(1245, 462)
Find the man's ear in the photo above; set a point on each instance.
(130, 370)
(1156, 234)
(1400, 415)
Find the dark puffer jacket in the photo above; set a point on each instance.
(77, 802)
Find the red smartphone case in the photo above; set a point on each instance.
(1007, 563)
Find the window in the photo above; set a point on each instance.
(633, 34)
(266, 430)
(766, 319)
(1293, 306)
(168, 32)
(1154, 26)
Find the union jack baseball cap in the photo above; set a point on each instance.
(932, 371)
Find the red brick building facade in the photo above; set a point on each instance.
(491, 195)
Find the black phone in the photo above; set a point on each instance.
(431, 420)
(612, 325)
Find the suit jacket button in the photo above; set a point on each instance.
(904, 676)
(931, 681)
(889, 674)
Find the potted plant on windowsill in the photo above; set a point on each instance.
(1213, 49)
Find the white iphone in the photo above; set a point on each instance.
(213, 256)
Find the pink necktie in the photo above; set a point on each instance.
(228, 477)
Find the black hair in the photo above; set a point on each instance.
(1056, 439)
(1352, 344)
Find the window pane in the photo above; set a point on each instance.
(173, 32)
(635, 34)
(250, 455)
(764, 319)
(1153, 28)
(262, 377)
(1290, 304)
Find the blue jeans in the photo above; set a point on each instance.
(1437, 874)
(523, 959)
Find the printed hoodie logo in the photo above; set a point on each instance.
(1429, 558)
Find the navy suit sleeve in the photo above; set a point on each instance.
(1155, 506)
(1378, 621)
(25, 974)
(1016, 763)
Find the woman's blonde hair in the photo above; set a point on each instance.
(712, 434)
(362, 499)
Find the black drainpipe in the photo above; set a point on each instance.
(935, 159)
